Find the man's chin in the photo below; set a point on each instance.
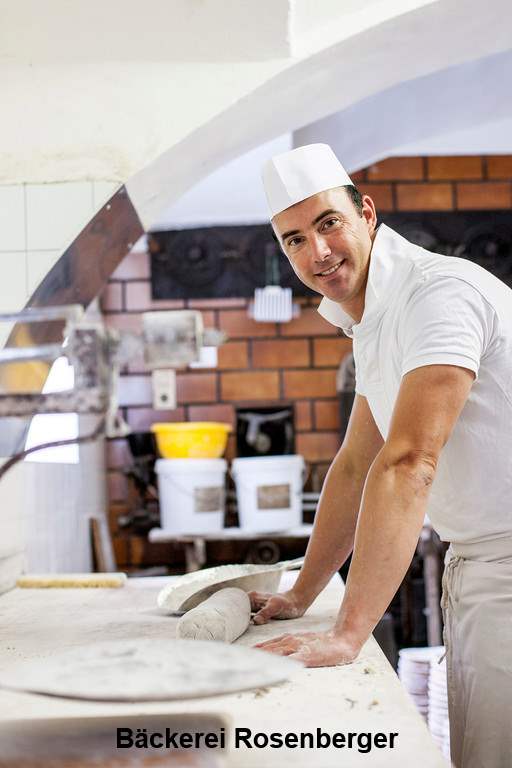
(334, 290)
(338, 296)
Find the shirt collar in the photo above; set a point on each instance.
(389, 264)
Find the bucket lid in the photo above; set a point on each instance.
(267, 463)
(164, 466)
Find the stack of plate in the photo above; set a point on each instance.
(414, 671)
(445, 746)
(438, 722)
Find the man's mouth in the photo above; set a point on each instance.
(330, 270)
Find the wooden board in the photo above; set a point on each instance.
(91, 742)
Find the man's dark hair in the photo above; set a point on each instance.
(355, 196)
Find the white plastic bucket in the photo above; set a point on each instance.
(192, 495)
(269, 492)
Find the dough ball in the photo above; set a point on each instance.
(224, 616)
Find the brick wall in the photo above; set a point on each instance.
(261, 363)
(271, 363)
(439, 183)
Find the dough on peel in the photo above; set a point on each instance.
(224, 616)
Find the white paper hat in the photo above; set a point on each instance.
(293, 176)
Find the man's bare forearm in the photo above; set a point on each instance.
(335, 523)
(389, 523)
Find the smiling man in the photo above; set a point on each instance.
(430, 430)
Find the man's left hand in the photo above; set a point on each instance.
(313, 649)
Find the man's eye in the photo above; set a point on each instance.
(329, 223)
(294, 241)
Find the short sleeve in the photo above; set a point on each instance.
(358, 388)
(445, 322)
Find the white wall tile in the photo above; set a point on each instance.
(56, 213)
(12, 218)
(39, 264)
(102, 191)
(13, 284)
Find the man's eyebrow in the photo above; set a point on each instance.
(291, 232)
(325, 213)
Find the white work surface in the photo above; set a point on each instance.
(362, 697)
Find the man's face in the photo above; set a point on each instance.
(328, 243)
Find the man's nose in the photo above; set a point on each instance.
(320, 248)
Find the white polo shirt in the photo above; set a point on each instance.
(423, 308)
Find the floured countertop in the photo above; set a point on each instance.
(365, 696)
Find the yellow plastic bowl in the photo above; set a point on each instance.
(191, 439)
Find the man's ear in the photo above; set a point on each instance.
(369, 213)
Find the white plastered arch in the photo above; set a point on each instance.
(400, 50)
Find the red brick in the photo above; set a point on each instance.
(499, 166)
(318, 446)
(327, 415)
(492, 194)
(302, 384)
(424, 197)
(281, 354)
(138, 298)
(141, 419)
(116, 453)
(237, 324)
(117, 487)
(222, 412)
(250, 386)
(455, 167)
(358, 176)
(134, 266)
(196, 387)
(216, 303)
(111, 299)
(303, 421)
(209, 318)
(309, 323)
(330, 352)
(396, 169)
(135, 390)
(233, 354)
(381, 194)
(124, 322)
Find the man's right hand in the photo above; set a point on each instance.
(284, 605)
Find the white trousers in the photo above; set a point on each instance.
(477, 611)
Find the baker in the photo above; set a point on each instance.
(430, 430)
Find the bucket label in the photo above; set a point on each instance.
(209, 499)
(273, 496)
